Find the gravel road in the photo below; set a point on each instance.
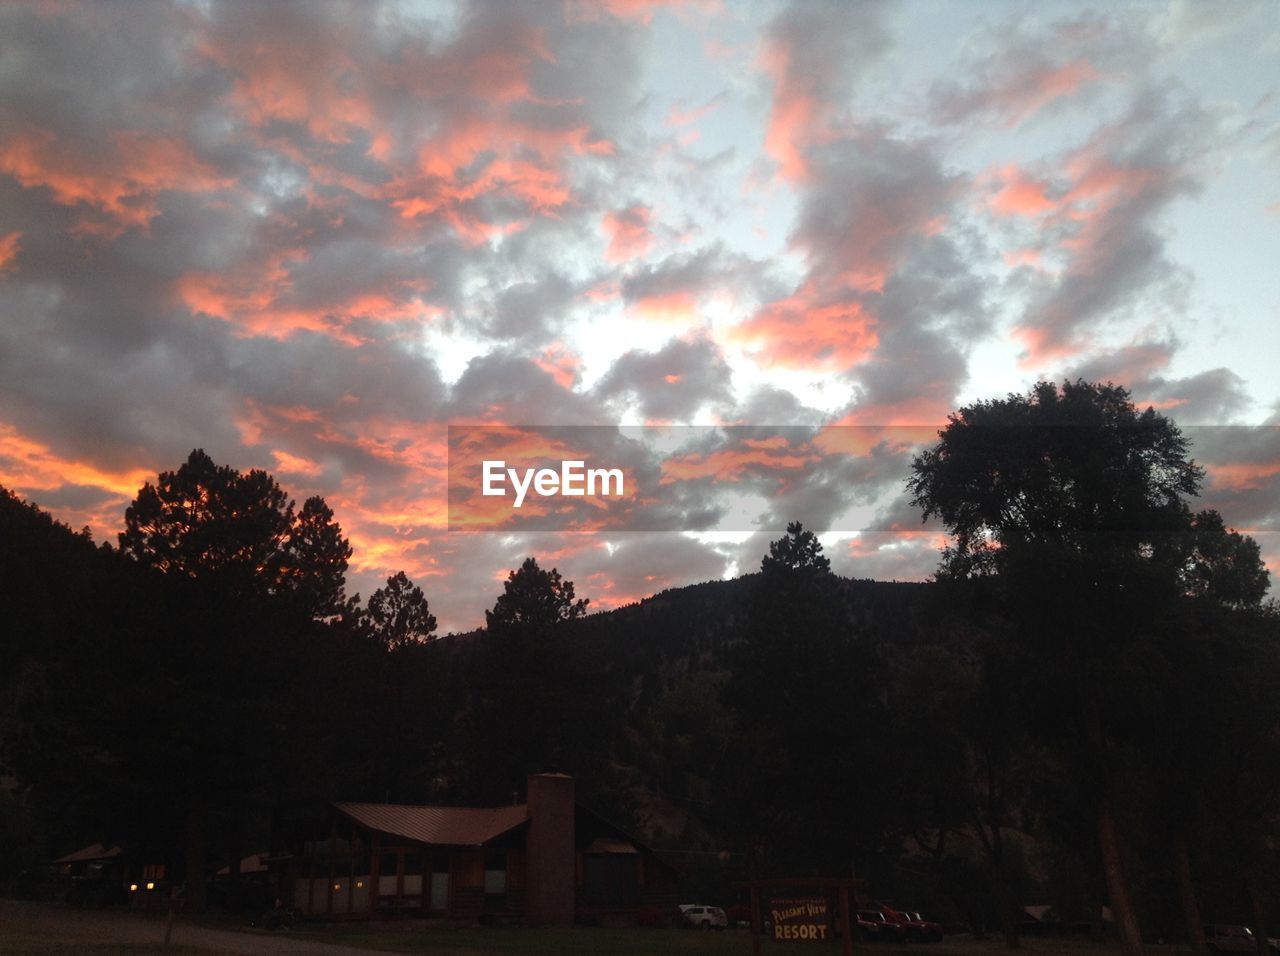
(51, 923)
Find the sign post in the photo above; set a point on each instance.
(804, 914)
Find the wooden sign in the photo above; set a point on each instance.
(805, 919)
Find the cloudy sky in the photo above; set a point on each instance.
(309, 237)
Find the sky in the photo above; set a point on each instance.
(311, 237)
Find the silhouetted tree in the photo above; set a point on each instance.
(802, 688)
(533, 601)
(399, 613)
(314, 563)
(1222, 565)
(238, 533)
(1075, 500)
(536, 705)
(246, 576)
(797, 553)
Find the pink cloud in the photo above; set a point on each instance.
(10, 243)
(628, 232)
(120, 181)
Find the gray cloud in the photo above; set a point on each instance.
(671, 384)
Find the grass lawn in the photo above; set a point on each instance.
(25, 945)
(44, 929)
(658, 942)
(497, 941)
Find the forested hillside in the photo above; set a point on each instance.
(182, 690)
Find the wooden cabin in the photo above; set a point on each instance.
(538, 862)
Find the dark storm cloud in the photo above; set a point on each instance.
(671, 384)
(530, 310)
(766, 405)
(822, 494)
(688, 275)
(502, 386)
(1212, 397)
(874, 194)
(930, 313)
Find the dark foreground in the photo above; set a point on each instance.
(44, 929)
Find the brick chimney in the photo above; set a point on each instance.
(551, 864)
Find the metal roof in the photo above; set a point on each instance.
(253, 863)
(611, 845)
(89, 854)
(442, 826)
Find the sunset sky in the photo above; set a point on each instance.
(309, 237)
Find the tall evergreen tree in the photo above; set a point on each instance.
(399, 614)
(535, 706)
(245, 578)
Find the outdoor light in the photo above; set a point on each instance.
(337, 886)
(151, 886)
(133, 887)
(359, 884)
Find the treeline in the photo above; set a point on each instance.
(179, 692)
(1080, 710)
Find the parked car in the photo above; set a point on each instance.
(1225, 938)
(922, 930)
(874, 926)
(703, 917)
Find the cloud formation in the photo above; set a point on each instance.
(311, 236)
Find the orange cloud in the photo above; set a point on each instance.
(1091, 214)
(29, 467)
(561, 363)
(295, 83)
(729, 465)
(677, 116)
(792, 117)
(673, 308)
(628, 233)
(121, 180)
(640, 11)
(485, 156)
(257, 301)
(874, 543)
(1019, 194)
(1022, 257)
(1054, 84)
(860, 432)
(9, 246)
(803, 331)
(1242, 476)
(27, 464)
(289, 464)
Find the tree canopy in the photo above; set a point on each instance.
(534, 599)
(399, 614)
(1074, 504)
(209, 522)
(797, 552)
(1076, 469)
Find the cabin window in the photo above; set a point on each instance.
(495, 872)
